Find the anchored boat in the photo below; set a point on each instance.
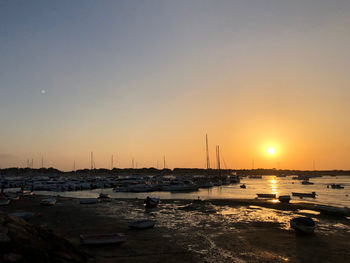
(312, 195)
(266, 195)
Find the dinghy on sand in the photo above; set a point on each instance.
(142, 224)
(303, 224)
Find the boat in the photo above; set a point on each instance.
(335, 186)
(303, 224)
(312, 195)
(25, 193)
(142, 224)
(4, 202)
(88, 201)
(102, 239)
(284, 198)
(151, 202)
(333, 210)
(306, 182)
(48, 201)
(243, 186)
(266, 195)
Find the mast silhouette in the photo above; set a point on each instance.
(207, 150)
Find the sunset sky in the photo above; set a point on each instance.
(143, 79)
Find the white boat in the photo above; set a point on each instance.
(4, 202)
(88, 201)
(303, 224)
(333, 210)
(48, 201)
(142, 224)
(284, 198)
(102, 239)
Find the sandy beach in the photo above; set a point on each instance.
(194, 231)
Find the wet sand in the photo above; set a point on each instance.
(195, 231)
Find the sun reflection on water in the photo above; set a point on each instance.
(273, 184)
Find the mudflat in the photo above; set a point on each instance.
(229, 230)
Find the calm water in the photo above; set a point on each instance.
(268, 184)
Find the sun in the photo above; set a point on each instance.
(271, 150)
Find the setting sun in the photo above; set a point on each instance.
(271, 150)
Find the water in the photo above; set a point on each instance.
(268, 184)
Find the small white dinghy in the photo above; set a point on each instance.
(102, 239)
(333, 210)
(303, 224)
(48, 201)
(88, 201)
(142, 224)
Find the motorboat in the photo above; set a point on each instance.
(333, 210)
(243, 186)
(306, 182)
(303, 224)
(284, 198)
(266, 195)
(103, 239)
(335, 186)
(301, 195)
(142, 224)
(48, 201)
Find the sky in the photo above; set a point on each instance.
(147, 79)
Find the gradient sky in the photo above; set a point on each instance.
(145, 79)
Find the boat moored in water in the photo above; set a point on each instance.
(284, 198)
(266, 195)
(312, 195)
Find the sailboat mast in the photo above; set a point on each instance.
(207, 151)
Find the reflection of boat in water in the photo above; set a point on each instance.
(142, 224)
(312, 195)
(333, 210)
(303, 224)
(284, 198)
(102, 239)
(266, 195)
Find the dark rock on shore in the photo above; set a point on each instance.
(24, 242)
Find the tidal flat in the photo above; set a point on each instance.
(225, 230)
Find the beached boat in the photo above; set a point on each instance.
(333, 210)
(48, 201)
(266, 195)
(102, 239)
(104, 196)
(151, 202)
(303, 224)
(284, 198)
(88, 201)
(243, 186)
(312, 195)
(142, 224)
(4, 202)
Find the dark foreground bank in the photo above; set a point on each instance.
(185, 231)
